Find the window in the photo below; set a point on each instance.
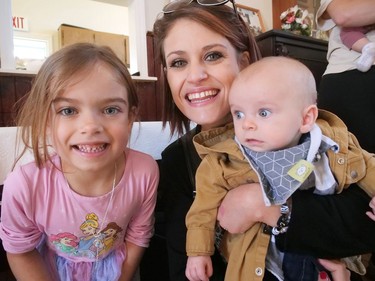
(30, 52)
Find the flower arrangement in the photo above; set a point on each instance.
(296, 19)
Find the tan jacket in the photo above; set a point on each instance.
(224, 167)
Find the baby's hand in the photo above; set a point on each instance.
(199, 268)
(371, 213)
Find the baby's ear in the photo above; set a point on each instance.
(310, 115)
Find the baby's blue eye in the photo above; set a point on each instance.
(264, 113)
(238, 114)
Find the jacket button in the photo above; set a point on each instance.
(354, 174)
(259, 271)
(341, 161)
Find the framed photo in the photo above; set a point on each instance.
(252, 17)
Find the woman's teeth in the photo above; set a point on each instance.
(201, 95)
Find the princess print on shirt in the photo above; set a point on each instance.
(93, 244)
(65, 242)
(110, 234)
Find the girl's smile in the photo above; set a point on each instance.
(91, 134)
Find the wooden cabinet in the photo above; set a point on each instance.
(117, 42)
(310, 51)
(12, 89)
(149, 104)
(14, 86)
(70, 34)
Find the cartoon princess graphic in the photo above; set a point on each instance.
(89, 229)
(110, 233)
(64, 242)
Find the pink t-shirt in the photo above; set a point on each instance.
(38, 205)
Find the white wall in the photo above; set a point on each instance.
(45, 16)
(153, 7)
(264, 7)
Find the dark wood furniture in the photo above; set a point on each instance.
(310, 51)
(13, 86)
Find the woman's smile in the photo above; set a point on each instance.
(202, 96)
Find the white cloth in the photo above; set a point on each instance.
(324, 180)
(340, 57)
(9, 150)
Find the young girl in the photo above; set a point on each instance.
(59, 211)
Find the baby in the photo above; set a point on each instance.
(276, 139)
(355, 39)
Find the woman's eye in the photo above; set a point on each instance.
(264, 113)
(177, 63)
(67, 111)
(214, 56)
(238, 114)
(111, 110)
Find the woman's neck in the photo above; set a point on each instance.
(227, 119)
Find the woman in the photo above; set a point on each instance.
(202, 49)
(342, 80)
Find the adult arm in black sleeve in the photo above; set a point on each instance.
(176, 197)
(331, 226)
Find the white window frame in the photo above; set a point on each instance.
(43, 38)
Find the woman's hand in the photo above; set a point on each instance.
(337, 268)
(371, 214)
(244, 206)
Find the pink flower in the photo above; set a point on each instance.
(296, 19)
(291, 19)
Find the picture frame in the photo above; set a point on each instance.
(252, 17)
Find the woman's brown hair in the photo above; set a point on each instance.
(60, 70)
(221, 19)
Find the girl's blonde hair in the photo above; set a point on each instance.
(56, 74)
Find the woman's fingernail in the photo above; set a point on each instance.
(323, 275)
